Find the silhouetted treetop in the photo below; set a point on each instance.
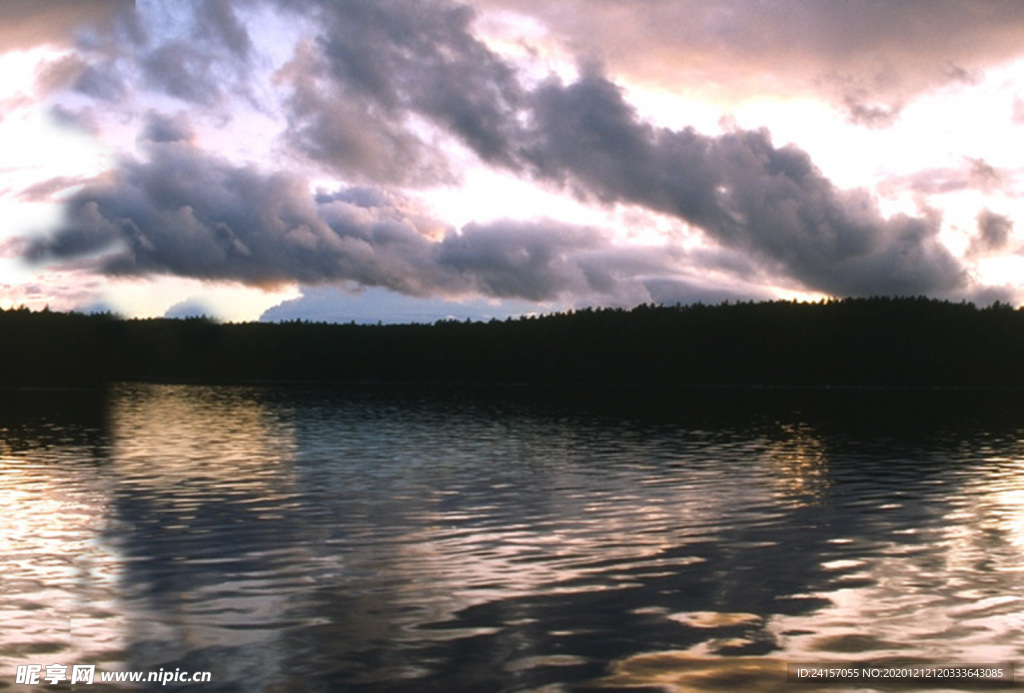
(874, 342)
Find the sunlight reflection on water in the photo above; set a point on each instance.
(317, 540)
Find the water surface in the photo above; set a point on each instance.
(416, 540)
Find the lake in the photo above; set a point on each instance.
(442, 539)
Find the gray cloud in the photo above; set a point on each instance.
(163, 128)
(362, 97)
(423, 57)
(739, 188)
(188, 213)
(543, 260)
(993, 233)
(184, 212)
(375, 64)
(182, 70)
(199, 52)
(82, 119)
(103, 80)
(351, 136)
(218, 24)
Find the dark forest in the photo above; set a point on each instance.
(876, 342)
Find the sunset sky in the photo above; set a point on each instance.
(412, 160)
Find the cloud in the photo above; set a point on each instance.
(182, 211)
(198, 52)
(545, 260)
(984, 176)
(688, 291)
(331, 304)
(423, 57)
(890, 51)
(350, 136)
(383, 87)
(978, 174)
(379, 64)
(740, 189)
(189, 308)
(86, 52)
(218, 24)
(49, 189)
(29, 23)
(993, 233)
(182, 70)
(13, 247)
(162, 128)
(185, 212)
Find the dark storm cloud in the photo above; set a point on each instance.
(188, 213)
(512, 259)
(184, 212)
(544, 260)
(743, 191)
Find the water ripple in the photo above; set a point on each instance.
(320, 540)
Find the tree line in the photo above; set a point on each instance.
(874, 342)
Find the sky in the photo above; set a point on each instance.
(399, 161)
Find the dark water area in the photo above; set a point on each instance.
(516, 539)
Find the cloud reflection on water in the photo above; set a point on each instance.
(314, 539)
